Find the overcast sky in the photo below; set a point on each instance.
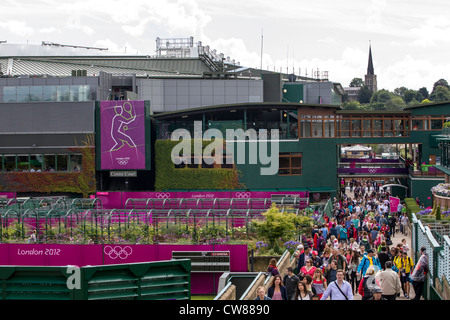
(410, 39)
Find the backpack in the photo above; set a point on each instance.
(367, 283)
(365, 243)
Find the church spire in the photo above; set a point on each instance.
(370, 70)
(371, 78)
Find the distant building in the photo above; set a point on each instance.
(352, 93)
(370, 79)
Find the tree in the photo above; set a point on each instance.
(395, 103)
(357, 82)
(364, 94)
(424, 93)
(382, 96)
(277, 225)
(440, 93)
(352, 105)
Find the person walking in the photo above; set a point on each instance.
(302, 293)
(261, 294)
(366, 284)
(368, 260)
(389, 281)
(303, 257)
(290, 281)
(339, 289)
(277, 291)
(319, 282)
(404, 264)
(419, 274)
(272, 267)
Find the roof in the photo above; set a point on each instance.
(237, 106)
(357, 148)
(139, 66)
(425, 105)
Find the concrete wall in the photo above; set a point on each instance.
(178, 94)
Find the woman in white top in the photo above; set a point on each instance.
(301, 293)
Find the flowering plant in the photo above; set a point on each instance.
(442, 189)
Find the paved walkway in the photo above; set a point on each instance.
(396, 240)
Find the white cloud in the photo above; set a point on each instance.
(412, 73)
(17, 27)
(50, 30)
(115, 48)
(434, 31)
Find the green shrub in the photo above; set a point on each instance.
(168, 177)
(411, 207)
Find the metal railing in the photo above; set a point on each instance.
(438, 251)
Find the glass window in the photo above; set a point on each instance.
(317, 126)
(377, 127)
(36, 162)
(9, 94)
(84, 93)
(62, 93)
(367, 127)
(23, 94)
(388, 128)
(344, 126)
(9, 163)
(328, 127)
(61, 162)
(74, 93)
(50, 93)
(305, 128)
(23, 162)
(75, 162)
(417, 124)
(49, 162)
(356, 128)
(36, 93)
(290, 164)
(436, 124)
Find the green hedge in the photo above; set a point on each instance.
(168, 177)
(411, 207)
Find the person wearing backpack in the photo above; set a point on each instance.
(365, 242)
(405, 265)
(366, 284)
(369, 260)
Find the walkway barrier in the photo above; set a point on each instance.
(164, 280)
(215, 203)
(438, 256)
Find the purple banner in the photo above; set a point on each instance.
(393, 203)
(370, 160)
(122, 135)
(107, 254)
(7, 195)
(117, 200)
(372, 170)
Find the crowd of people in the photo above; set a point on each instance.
(352, 252)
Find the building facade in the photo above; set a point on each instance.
(53, 111)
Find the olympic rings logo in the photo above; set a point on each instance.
(122, 162)
(243, 195)
(372, 170)
(368, 160)
(162, 195)
(118, 252)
